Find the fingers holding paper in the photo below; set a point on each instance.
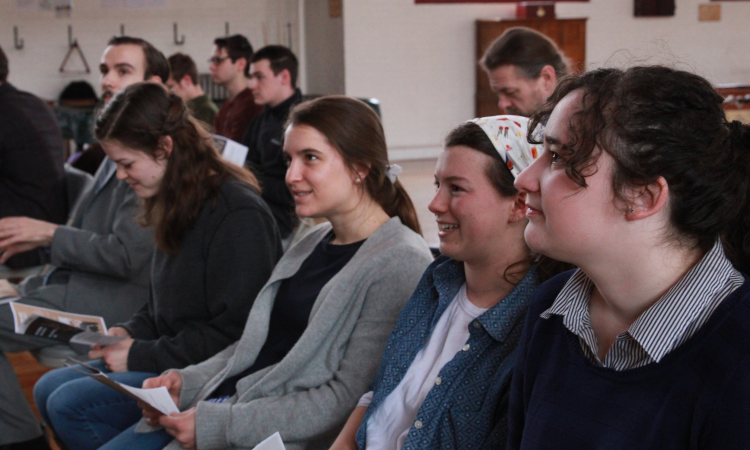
(170, 380)
(181, 426)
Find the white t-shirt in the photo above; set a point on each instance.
(389, 424)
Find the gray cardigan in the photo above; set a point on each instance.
(310, 393)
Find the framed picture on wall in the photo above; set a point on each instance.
(498, 1)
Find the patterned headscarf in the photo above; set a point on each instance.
(509, 136)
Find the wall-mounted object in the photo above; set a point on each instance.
(289, 35)
(653, 8)
(181, 41)
(535, 10)
(495, 1)
(709, 13)
(226, 29)
(335, 8)
(17, 43)
(122, 29)
(73, 47)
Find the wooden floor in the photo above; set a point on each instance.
(418, 181)
(28, 371)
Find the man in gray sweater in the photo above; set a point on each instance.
(99, 259)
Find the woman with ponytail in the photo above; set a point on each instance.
(317, 329)
(644, 185)
(217, 244)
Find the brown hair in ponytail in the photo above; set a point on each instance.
(139, 117)
(354, 129)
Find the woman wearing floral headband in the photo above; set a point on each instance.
(443, 380)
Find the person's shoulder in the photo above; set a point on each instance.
(395, 237)
(236, 195)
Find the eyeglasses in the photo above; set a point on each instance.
(217, 59)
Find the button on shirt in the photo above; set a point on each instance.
(388, 426)
(457, 398)
(663, 327)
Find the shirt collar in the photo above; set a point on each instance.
(682, 304)
(499, 320)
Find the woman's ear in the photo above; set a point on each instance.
(361, 171)
(166, 145)
(518, 207)
(649, 200)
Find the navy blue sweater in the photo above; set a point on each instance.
(697, 397)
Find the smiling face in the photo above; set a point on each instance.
(517, 94)
(474, 220)
(321, 183)
(121, 66)
(142, 172)
(566, 221)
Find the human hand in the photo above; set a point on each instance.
(115, 356)
(118, 331)
(181, 426)
(7, 289)
(21, 234)
(170, 380)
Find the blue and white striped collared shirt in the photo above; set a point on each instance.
(663, 327)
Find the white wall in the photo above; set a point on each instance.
(324, 46)
(419, 60)
(36, 67)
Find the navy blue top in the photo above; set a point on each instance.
(468, 410)
(293, 304)
(697, 397)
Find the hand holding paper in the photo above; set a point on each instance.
(182, 427)
(172, 382)
(158, 399)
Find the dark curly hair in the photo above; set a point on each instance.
(657, 121)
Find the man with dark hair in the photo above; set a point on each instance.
(230, 67)
(273, 82)
(183, 81)
(523, 67)
(128, 60)
(32, 179)
(99, 258)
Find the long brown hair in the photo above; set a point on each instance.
(354, 129)
(140, 117)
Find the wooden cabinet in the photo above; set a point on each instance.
(569, 34)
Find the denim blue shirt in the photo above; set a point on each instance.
(469, 408)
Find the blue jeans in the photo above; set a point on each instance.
(86, 414)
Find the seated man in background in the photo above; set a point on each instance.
(273, 82)
(523, 66)
(100, 259)
(32, 179)
(183, 81)
(230, 67)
